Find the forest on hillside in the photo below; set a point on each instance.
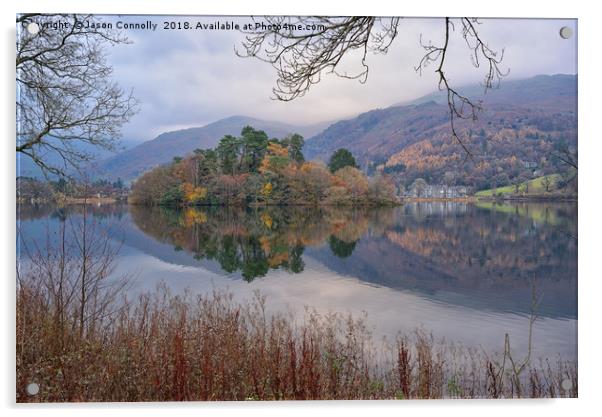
(503, 153)
(508, 144)
(253, 169)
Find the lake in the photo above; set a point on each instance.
(469, 273)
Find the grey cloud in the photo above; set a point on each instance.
(191, 78)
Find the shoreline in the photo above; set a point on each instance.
(476, 199)
(468, 200)
(73, 200)
(531, 198)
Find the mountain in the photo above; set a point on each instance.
(26, 167)
(522, 123)
(541, 90)
(378, 133)
(133, 162)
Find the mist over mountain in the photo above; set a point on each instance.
(539, 90)
(522, 120)
(521, 123)
(133, 162)
(379, 133)
(26, 167)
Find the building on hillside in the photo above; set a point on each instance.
(438, 191)
(530, 164)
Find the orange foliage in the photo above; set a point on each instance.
(193, 194)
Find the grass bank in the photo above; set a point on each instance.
(545, 187)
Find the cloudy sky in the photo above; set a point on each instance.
(192, 78)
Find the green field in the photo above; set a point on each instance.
(535, 186)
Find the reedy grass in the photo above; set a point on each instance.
(166, 347)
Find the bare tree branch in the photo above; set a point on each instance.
(301, 49)
(65, 96)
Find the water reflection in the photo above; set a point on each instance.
(450, 251)
(253, 241)
(485, 255)
(471, 272)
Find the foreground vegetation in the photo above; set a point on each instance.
(79, 340)
(254, 170)
(171, 348)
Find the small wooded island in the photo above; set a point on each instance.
(254, 170)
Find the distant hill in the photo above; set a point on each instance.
(521, 124)
(523, 121)
(27, 168)
(376, 134)
(133, 162)
(541, 90)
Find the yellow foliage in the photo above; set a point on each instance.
(199, 194)
(193, 216)
(274, 152)
(307, 167)
(265, 244)
(193, 194)
(267, 220)
(265, 164)
(277, 150)
(267, 188)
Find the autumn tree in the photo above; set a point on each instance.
(316, 179)
(419, 187)
(381, 188)
(192, 194)
(230, 189)
(355, 181)
(152, 187)
(275, 162)
(67, 103)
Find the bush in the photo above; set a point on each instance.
(172, 197)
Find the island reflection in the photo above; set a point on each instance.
(433, 248)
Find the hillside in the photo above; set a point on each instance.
(26, 167)
(376, 134)
(540, 90)
(133, 162)
(523, 123)
(540, 186)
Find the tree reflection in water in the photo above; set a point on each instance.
(416, 245)
(483, 256)
(253, 241)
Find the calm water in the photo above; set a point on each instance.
(467, 272)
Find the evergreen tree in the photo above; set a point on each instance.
(295, 146)
(254, 145)
(227, 151)
(340, 159)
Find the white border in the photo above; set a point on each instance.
(590, 150)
